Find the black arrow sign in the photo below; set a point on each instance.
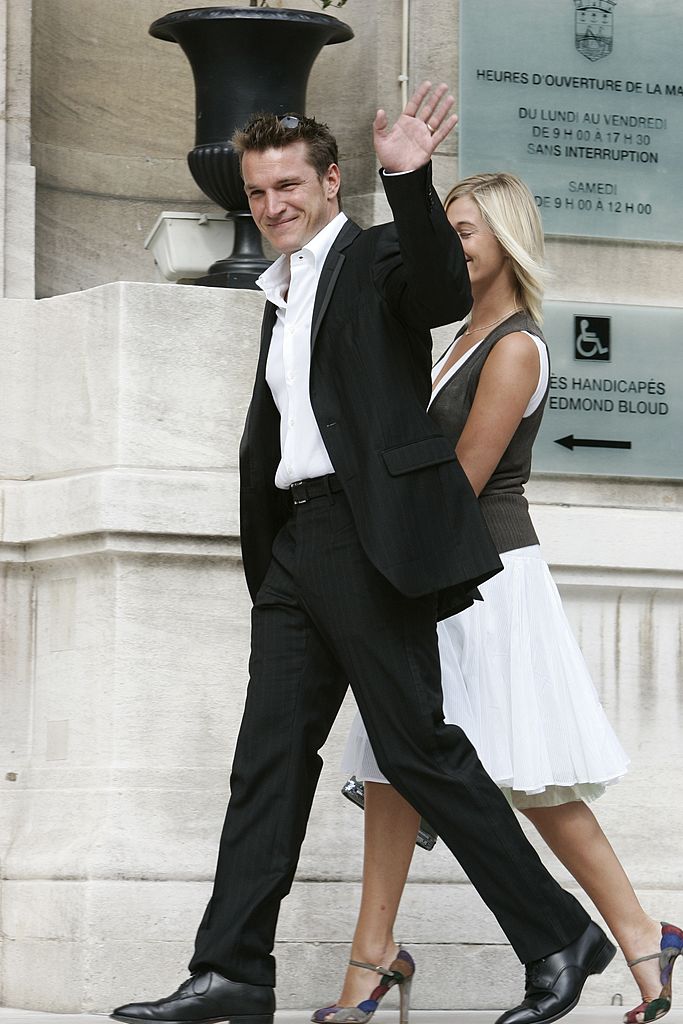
(572, 442)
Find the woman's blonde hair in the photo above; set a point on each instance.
(508, 208)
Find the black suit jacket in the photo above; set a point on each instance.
(380, 292)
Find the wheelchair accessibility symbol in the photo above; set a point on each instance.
(592, 338)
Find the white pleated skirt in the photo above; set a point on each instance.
(516, 682)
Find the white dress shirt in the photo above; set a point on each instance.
(290, 284)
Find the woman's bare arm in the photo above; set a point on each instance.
(507, 382)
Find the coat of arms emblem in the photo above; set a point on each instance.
(594, 25)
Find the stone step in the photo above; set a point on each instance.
(589, 1015)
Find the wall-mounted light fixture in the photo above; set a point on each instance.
(184, 245)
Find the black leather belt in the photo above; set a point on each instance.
(302, 491)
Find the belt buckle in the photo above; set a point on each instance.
(295, 500)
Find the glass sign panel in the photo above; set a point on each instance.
(583, 99)
(615, 404)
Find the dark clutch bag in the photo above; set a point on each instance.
(354, 790)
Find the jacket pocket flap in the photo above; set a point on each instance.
(418, 454)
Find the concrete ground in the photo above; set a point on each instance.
(582, 1015)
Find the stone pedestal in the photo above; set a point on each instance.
(127, 619)
(125, 622)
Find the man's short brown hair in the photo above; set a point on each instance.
(275, 131)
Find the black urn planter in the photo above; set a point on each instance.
(244, 60)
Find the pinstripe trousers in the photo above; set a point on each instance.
(324, 619)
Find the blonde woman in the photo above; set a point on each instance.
(513, 677)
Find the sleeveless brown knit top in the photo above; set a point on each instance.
(502, 500)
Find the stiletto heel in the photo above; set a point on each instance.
(671, 947)
(400, 972)
(404, 996)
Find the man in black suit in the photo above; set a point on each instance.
(358, 526)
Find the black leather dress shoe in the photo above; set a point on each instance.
(554, 984)
(206, 999)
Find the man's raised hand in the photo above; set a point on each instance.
(423, 125)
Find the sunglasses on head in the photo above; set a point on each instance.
(289, 121)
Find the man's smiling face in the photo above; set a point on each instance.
(290, 204)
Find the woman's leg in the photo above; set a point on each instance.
(391, 826)
(570, 830)
(574, 835)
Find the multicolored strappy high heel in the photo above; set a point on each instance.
(671, 947)
(400, 972)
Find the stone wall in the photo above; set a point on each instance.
(17, 178)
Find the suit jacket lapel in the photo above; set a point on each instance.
(267, 324)
(329, 274)
(259, 452)
(261, 390)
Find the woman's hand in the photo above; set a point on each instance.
(423, 125)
